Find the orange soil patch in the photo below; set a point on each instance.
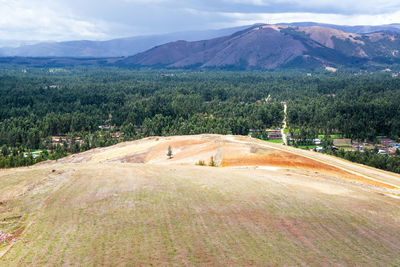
(277, 158)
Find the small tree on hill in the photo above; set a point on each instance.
(169, 153)
(212, 162)
(201, 163)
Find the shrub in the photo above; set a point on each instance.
(201, 163)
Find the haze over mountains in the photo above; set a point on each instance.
(297, 45)
(111, 48)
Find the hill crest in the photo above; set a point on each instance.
(130, 204)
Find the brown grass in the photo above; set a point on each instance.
(123, 214)
(133, 214)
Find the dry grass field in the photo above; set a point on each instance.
(266, 205)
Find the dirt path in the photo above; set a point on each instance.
(284, 123)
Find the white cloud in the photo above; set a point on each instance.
(60, 20)
(25, 20)
(147, 1)
(345, 6)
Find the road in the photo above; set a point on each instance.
(284, 136)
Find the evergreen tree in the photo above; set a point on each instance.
(169, 152)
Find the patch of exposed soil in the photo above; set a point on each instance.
(290, 160)
(5, 237)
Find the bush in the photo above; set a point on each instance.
(201, 163)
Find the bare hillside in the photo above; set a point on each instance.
(275, 46)
(265, 204)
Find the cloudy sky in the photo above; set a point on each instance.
(61, 20)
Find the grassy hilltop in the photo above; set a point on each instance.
(131, 205)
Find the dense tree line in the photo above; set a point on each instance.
(25, 156)
(41, 103)
(371, 158)
(361, 107)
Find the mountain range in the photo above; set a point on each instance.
(276, 46)
(132, 45)
(110, 48)
(299, 45)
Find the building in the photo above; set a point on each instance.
(386, 141)
(274, 134)
(317, 141)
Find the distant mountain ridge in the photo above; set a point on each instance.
(260, 46)
(111, 48)
(133, 45)
(276, 46)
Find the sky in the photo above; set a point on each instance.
(61, 20)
